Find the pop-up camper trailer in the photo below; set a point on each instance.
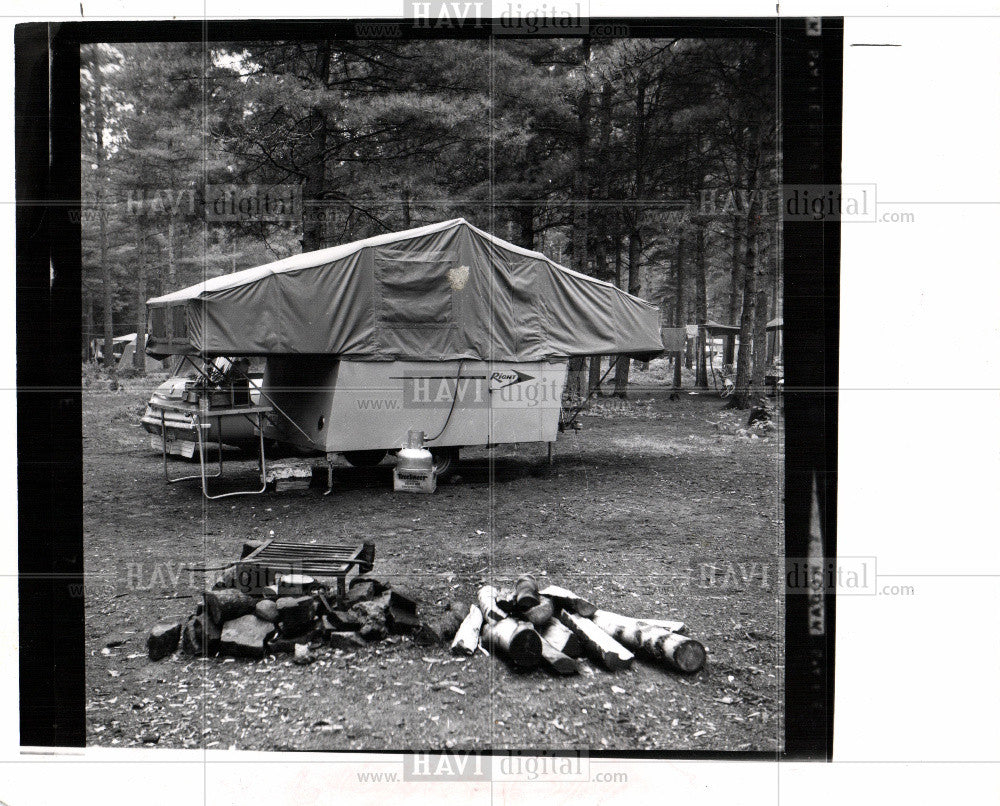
(444, 329)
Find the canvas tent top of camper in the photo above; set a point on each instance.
(441, 292)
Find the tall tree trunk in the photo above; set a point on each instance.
(775, 278)
(404, 205)
(139, 356)
(679, 300)
(601, 270)
(618, 261)
(701, 304)
(574, 381)
(606, 222)
(581, 185)
(759, 329)
(594, 376)
(88, 323)
(171, 261)
(634, 257)
(735, 292)
(102, 233)
(581, 174)
(638, 193)
(314, 186)
(624, 363)
(735, 275)
(762, 351)
(701, 380)
(595, 368)
(526, 226)
(601, 253)
(620, 282)
(741, 394)
(774, 341)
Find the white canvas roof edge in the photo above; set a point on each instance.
(304, 260)
(321, 257)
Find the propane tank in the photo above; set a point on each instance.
(414, 472)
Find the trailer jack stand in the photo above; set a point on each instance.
(329, 476)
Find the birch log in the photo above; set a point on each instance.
(562, 638)
(487, 598)
(673, 626)
(556, 662)
(505, 601)
(676, 651)
(467, 637)
(516, 641)
(525, 593)
(598, 644)
(541, 614)
(568, 600)
(618, 618)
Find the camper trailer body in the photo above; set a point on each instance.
(337, 406)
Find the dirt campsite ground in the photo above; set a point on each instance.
(657, 508)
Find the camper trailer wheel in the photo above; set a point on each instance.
(445, 461)
(364, 458)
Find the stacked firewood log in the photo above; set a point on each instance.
(553, 627)
(300, 614)
(528, 627)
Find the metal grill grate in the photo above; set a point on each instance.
(276, 558)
